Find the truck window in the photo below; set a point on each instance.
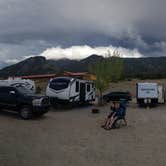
(6, 90)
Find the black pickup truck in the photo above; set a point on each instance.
(23, 101)
(117, 96)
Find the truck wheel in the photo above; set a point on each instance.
(25, 113)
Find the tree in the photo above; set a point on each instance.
(110, 69)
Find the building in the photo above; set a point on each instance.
(84, 75)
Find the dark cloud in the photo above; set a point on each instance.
(30, 27)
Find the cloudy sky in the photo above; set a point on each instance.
(76, 28)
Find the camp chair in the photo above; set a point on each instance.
(122, 119)
(119, 122)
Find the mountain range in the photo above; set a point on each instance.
(133, 67)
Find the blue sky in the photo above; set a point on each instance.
(75, 28)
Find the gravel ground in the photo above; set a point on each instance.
(74, 138)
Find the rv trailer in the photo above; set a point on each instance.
(18, 82)
(70, 90)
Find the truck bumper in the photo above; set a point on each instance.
(41, 110)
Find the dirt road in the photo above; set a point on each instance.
(74, 138)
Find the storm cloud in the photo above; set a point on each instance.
(29, 28)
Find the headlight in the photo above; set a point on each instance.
(37, 102)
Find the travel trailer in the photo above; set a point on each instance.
(150, 93)
(17, 82)
(67, 89)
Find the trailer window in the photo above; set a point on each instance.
(59, 84)
(77, 86)
(5, 90)
(88, 87)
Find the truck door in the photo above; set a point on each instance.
(8, 97)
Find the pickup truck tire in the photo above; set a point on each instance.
(25, 113)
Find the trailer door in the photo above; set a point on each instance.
(82, 92)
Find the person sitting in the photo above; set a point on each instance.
(123, 105)
(119, 115)
(118, 112)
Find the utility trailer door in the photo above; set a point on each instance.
(161, 93)
(147, 90)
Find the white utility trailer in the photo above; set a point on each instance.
(150, 93)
